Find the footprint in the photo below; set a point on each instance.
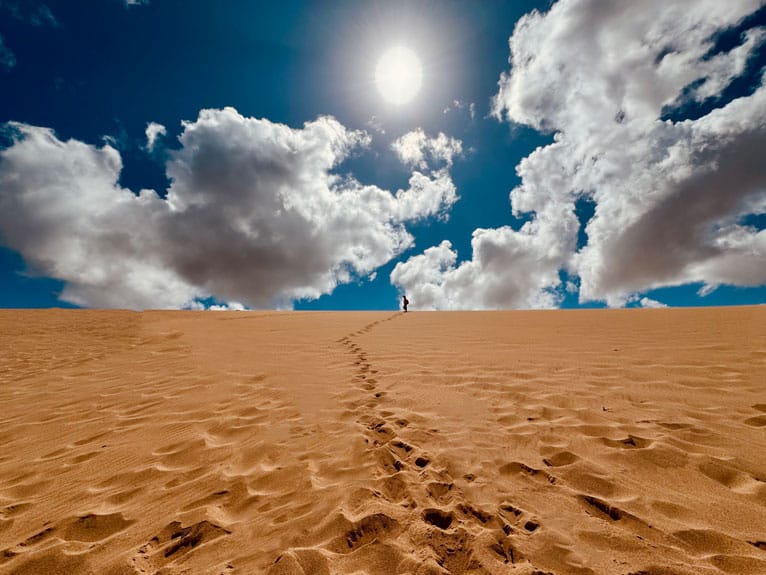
(531, 526)
(30, 542)
(299, 562)
(561, 459)
(380, 429)
(757, 421)
(422, 461)
(630, 442)
(13, 510)
(174, 542)
(93, 527)
(438, 518)
(377, 526)
(394, 488)
(506, 552)
(613, 513)
(508, 508)
(388, 461)
(406, 448)
(482, 516)
(518, 468)
(676, 426)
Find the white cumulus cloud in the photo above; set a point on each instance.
(153, 131)
(231, 306)
(415, 148)
(668, 196)
(496, 277)
(651, 303)
(254, 214)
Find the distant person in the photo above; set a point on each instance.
(405, 302)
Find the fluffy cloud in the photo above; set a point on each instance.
(254, 214)
(231, 306)
(496, 277)
(669, 195)
(417, 149)
(61, 207)
(153, 131)
(651, 303)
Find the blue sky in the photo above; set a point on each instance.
(605, 158)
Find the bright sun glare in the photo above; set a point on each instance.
(398, 75)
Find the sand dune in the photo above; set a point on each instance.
(586, 442)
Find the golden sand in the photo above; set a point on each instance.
(583, 442)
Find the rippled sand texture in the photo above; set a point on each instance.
(586, 442)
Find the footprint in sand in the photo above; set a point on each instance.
(508, 553)
(30, 542)
(602, 507)
(630, 442)
(483, 517)
(674, 426)
(561, 459)
(377, 526)
(395, 488)
(92, 527)
(439, 491)
(173, 543)
(522, 469)
(381, 430)
(438, 518)
(14, 509)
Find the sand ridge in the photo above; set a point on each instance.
(620, 442)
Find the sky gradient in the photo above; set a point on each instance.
(173, 154)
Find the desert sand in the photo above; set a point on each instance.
(543, 442)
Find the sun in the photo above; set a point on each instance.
(398, 75)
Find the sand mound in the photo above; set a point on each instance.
(588, 442)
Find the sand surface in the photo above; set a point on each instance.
(585, 442)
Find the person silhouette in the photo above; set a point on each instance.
(405, 302)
